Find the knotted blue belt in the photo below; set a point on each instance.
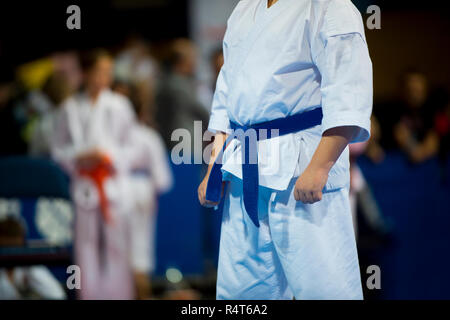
(250, 175)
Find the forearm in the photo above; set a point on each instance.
(331, 146)
(426, 149)
(217, 147)
(219, 140)
(431, 144)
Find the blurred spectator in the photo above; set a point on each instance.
(67, 65)
(134, 62)
(217, 61)
(178, 105)
(150, 176)
(361, 196)
(374, 151)
(442, 123)
(48, 100)
(32, 106)
(206, 92)
(34, 282)
(415, 133)
(92, 142)
(135, 73)
(442, 128)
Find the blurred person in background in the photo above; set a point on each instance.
(216, 65)
(135, 69)
(134, 63)
(150, 176)
(374, 151)
(32, 282)
(178, 104)
(40, 84)
(206, 92)
(361, 196)
(68, 65)
(92, 143)
(415, 133)
(442, 128)
(54, 92)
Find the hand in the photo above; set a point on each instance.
(375, 152)
(309, 186)
(89, 159)
(402, 134)
(202, 193)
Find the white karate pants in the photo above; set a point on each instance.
(101, 249)
(306, 251)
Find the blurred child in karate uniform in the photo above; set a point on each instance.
(55, 90)
(92, 142)
(150, 176)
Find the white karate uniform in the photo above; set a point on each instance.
(290, 58)
(34, 282)
(43, 129)
(106, 271)
(150, 177)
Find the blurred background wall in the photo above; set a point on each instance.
(409, 37)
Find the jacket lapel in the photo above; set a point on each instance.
(264, 19)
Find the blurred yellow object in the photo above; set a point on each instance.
(34, 74)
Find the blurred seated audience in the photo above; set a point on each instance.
(31, 282)
(415, 133)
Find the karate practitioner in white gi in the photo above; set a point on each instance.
(290, 63)
(150, 177)
(93, 125)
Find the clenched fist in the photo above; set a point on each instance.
(309, 186)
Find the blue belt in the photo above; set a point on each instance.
(250, 175)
